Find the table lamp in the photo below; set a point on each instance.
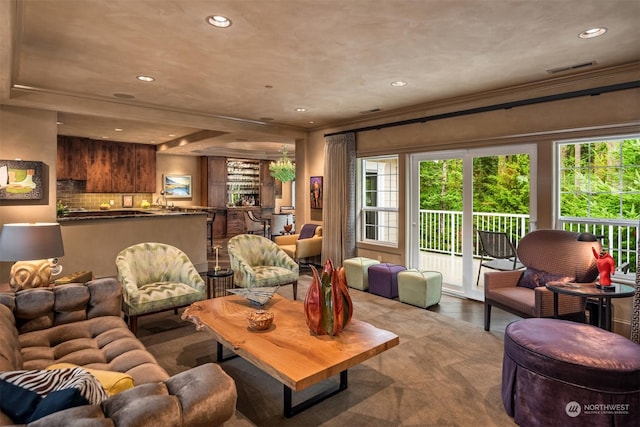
(31, 245)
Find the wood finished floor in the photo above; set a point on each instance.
(467, 310)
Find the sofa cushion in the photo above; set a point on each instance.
(102, 343)
(532, 278)
(10, 354)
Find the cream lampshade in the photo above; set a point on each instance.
(30, 244)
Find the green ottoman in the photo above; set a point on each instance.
(421, 288)
(357, 272)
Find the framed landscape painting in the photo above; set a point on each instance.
(20, 180)
(177, 186)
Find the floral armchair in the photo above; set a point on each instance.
(258, 262)
(156, 277)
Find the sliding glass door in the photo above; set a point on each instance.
(453, 194)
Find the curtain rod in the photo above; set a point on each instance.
(505, 106)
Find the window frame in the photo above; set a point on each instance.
(589, 191)
(391, 237)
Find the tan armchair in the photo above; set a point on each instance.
(548, 255)
(305, 247)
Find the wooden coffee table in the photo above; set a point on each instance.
(288, 351)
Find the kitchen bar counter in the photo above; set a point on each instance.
(81, 215)
(92, 241)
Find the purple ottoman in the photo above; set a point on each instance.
(560, 373)
(383, 279)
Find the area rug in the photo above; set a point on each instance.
(445, 372)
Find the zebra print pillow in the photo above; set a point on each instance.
(44, 382)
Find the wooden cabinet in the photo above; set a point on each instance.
(122, 167)
(267, 186)
(145, 168)
(72, 158)
(216, 182)
(99, 167)
(107, 166)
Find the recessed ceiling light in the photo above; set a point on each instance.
(172, 135)
(398, 83)
(105, 137)
(145, 78)
(301, 109)
(219, 21)
(59, 123)
(118, 129)
(592, 32)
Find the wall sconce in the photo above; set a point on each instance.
(34, 247)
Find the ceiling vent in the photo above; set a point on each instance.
(571, 67)
(374, 110)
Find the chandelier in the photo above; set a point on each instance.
(283, 170)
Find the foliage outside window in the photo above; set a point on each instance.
(379, 200)
(600, 179)
(500, 184)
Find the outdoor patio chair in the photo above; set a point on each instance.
(500, 249)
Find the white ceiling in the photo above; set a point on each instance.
(336, 58)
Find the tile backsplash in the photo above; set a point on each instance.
(73, 195)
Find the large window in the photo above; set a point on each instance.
(599, 192)
(600, 179)
(379, 200)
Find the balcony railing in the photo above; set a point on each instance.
(618, 237)
(441, 232)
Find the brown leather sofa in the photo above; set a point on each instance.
(81, 324)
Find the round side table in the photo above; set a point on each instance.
(590, 290)
(218, 282)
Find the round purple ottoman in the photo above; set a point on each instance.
(561, 373)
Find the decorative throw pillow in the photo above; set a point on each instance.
(58, 401)
(532, 278)
(47, 386)
(17, 402)
(308, 231)
(113, 382)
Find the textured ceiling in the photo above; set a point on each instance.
(336, 58)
